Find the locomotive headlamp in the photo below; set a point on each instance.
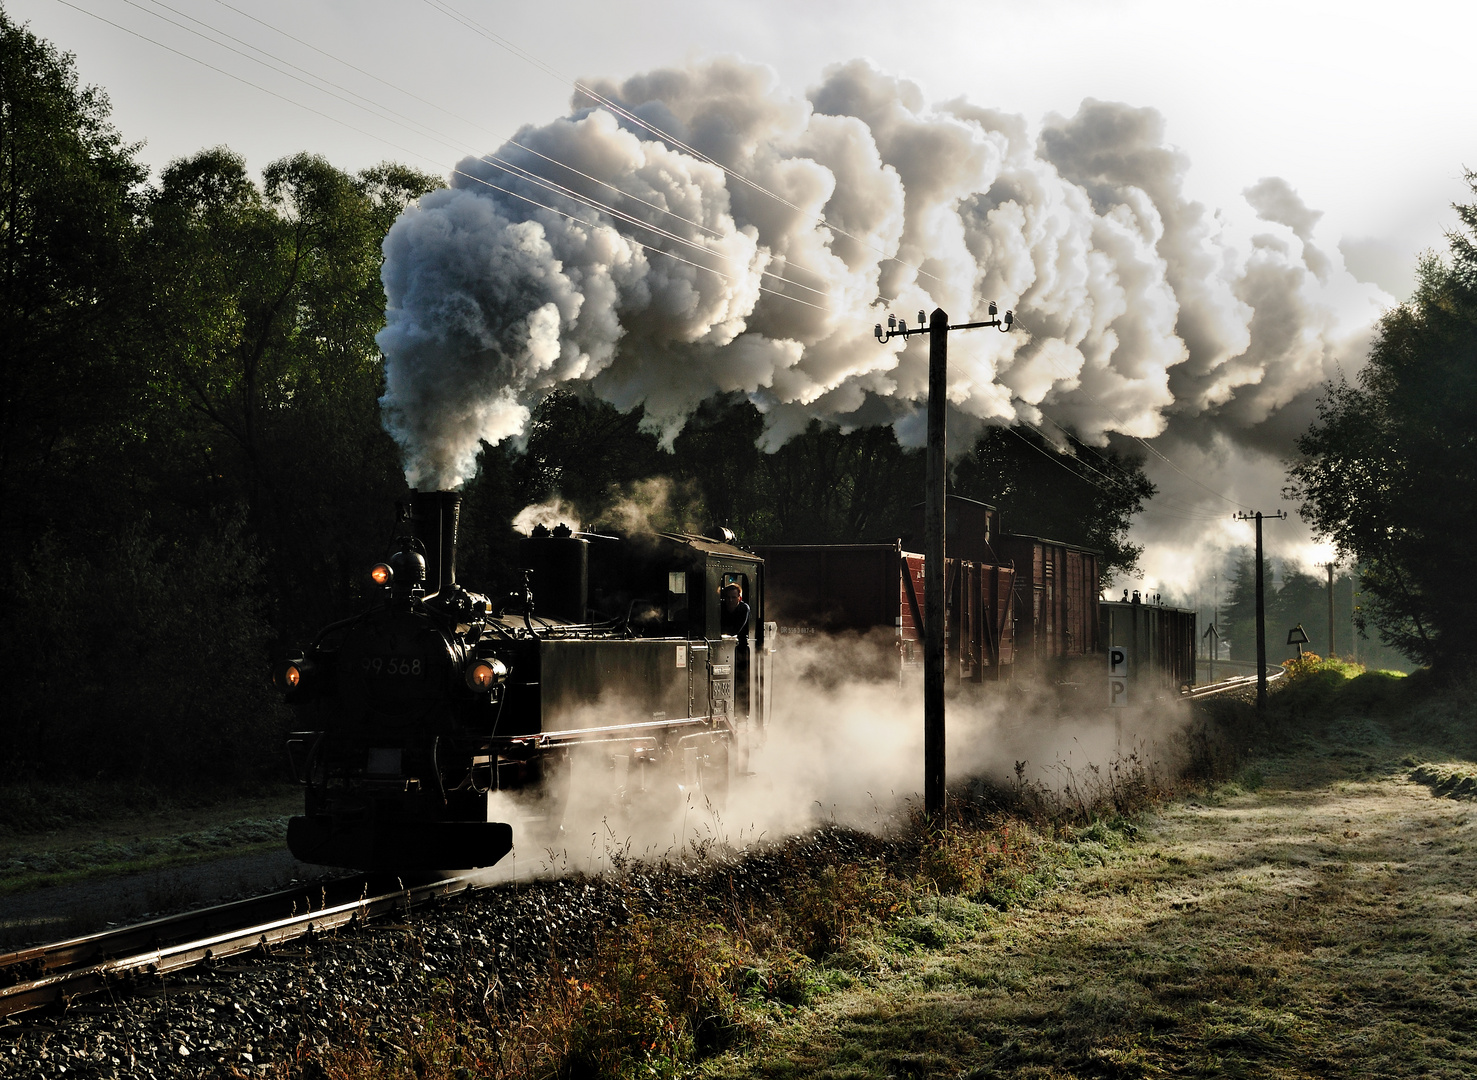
(381, 574)
(483, 675)
(290, 676)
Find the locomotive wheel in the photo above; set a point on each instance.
(714, 772)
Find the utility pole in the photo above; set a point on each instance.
(1261, 609)
(1332, 648)
(935, 483)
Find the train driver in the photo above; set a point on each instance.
(734, 617)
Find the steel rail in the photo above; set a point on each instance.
(62, 971)
(1239, 682)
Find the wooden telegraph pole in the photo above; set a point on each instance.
(935, 484)
(1332, 646)
(1261, 610)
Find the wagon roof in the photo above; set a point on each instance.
(710, 546)
(1006, 537)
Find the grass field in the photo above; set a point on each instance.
(55, 835)
(1313, 918)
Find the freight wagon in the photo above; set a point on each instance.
(875, 591)
(1056, 594)
(1159, 642)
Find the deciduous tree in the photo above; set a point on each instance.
(1388, 471)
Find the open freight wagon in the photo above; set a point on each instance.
(873, 594)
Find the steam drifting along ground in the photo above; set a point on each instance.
(842, 747)
(1137, 307)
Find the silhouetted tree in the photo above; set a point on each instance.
(1389, 469)
(262, 317)
(1087, 497)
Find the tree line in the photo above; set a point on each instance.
(193, 472)
(1293, 598)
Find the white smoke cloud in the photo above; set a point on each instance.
(1136, 306)
(554, 511)
(844, 748)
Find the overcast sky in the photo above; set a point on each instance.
(1365, 110)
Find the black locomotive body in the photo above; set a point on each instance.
(417, 711)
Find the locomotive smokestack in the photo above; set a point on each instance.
(433, 520)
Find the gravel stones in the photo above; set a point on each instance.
(247, 1015)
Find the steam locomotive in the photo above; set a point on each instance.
(417, 711)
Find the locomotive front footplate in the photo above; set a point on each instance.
(399, 845)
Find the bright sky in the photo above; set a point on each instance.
(1366, 110)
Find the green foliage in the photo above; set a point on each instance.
(1389, 469)
(70, 193)
(136, 660)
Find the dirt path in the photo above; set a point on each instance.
(1322, 925)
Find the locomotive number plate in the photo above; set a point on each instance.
(393, 666)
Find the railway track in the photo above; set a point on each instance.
(62, 971)
(1238, 682)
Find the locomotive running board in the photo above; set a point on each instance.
(617, 732)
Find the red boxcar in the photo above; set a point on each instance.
(866, 588)
(1056, 588)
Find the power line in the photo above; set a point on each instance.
(1123, 429)
(594, 204)
(1116, 488)
(648, 247)
(620, 215)
(471, 24)
(472, 123)
(240, 79)
(1186, 512)
(446, 140)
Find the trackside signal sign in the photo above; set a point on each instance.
(1117, 677)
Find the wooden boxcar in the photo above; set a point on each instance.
(1056, 593)
(870, 588)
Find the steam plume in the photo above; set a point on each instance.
(1135, 304)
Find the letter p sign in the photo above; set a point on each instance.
(1117, 677)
